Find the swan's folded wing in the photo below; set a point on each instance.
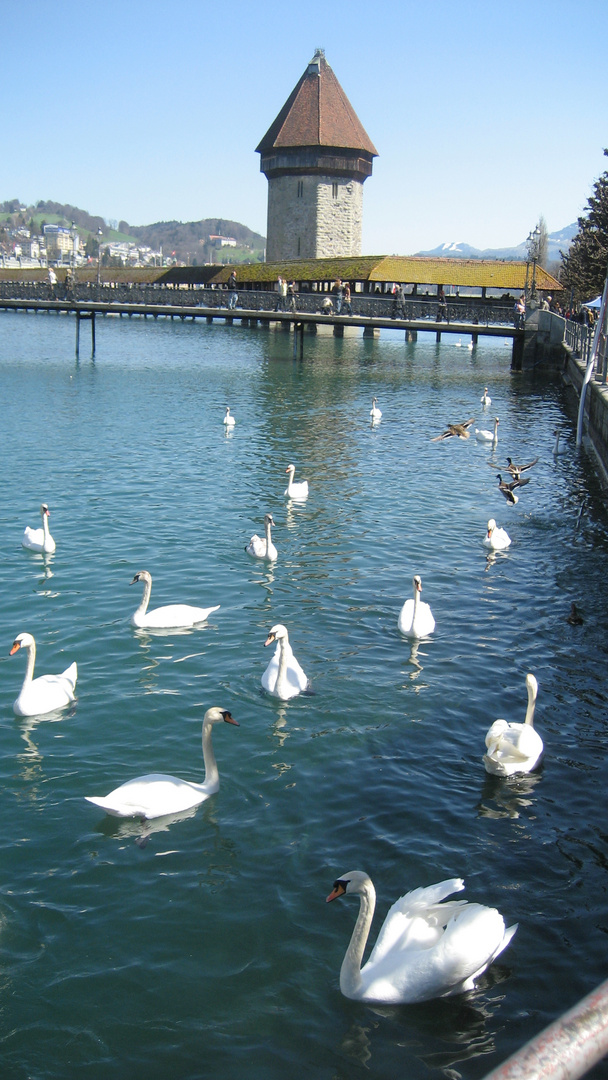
(269, 678)
(403, 921)
(472, 939)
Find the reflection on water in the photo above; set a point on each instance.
(508, 796)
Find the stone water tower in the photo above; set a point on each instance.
(316, 156)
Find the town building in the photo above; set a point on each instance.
(316, 156)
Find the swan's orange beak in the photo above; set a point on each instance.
(338, 890)
(270, 639)
(229, 719)
(15, 648)
(489, 532)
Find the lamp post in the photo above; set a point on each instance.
(99, 236)
(533, 246)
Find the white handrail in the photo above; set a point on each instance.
(591, 365)
(565, 1050)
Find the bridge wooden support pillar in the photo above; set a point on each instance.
(298, 341)
(438, 336)
(91, 317)
(411, 336)
(517, 354)
(338, 330)
(474, 339)
(370, 331)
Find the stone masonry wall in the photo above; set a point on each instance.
(314, 225)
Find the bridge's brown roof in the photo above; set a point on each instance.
(317, 113)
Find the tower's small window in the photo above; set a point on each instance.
(334, 191)
(299, 244)
(300, 189)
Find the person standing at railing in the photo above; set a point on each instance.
(52, 282)
(233, 298)
(442, 307)
(346, 308)
(520, 313)
(398, 302)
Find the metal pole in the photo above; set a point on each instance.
(77, 335)
(92, 333)
(565, 1050)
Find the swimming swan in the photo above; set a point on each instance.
(295, 491)
(283, 677)
(514, 748)
(39, 539)
(171, 617)
(495, 538)
(228, 419)
(158, 794)
(488, 436)
(416, 618)
(425, 949)
(485, 398)
(374, 412)
(263, 549)
(47, 692)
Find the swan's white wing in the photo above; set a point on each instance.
(173, 616)
(513, 743)
(415, 904)
(150, 796)
(406, 615)
(295, 674)
(445, 962)
(256, 547)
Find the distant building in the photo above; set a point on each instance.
(222, 241)
(316, 156)
(61, 241)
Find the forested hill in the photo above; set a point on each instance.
(189, 240)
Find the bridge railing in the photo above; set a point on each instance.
(472, 310)
(579, 338)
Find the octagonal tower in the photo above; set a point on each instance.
(316, 156)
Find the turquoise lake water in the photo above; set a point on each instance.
(204, 947)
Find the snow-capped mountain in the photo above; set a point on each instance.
(557, 241)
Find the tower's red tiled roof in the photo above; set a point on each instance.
(317, 113)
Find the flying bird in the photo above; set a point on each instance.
(459, 431)
(508, 490)
(516, 470)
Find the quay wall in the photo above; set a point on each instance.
(596, 410)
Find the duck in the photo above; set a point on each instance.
(263, 549)
(488, 436)
(575, 618)
(375, 412)
(295, 491)
(508, 489)
(416, 618)
(170, 617)
(485, 398)
(495, 538)
(517, 470)
(284, 678)
(39, 539)
(47, 692)
(158, 794)
(459, 431)
(514, 748)
(229, 419)
(425, 949)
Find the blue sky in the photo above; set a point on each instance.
(485, 115)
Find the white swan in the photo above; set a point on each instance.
(488, 436)
(495, 538)
(39, 539)
(425, 949)
(229, 419)
(158, 794)
(557, 449)
(47, 692)
(295, 491)
(283, 677)
(375, 412)
(170, 617)
(514, 748)
(485, 398)
(416, 618)
(263, 549)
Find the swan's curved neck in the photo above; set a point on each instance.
(212, 776)
(282, 672)
(268, 537)
(530, 710)
(416, 602)
(45, 527)
(145, 600)
(31, 660)
(350, 972)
